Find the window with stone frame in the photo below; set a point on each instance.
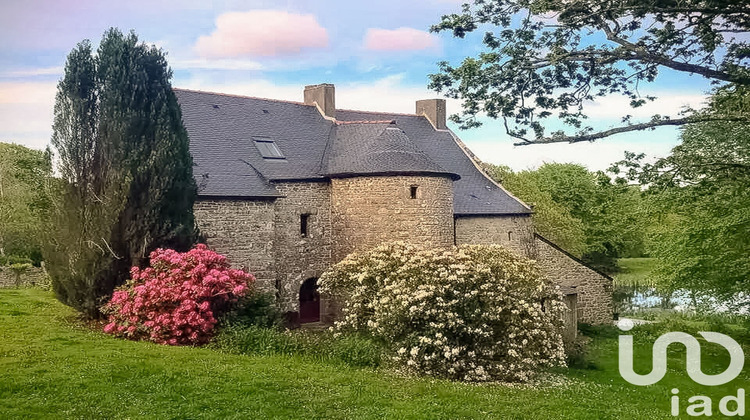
(413, 191)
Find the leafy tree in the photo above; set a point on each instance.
(552, 219)
(584, 212)
(123, 153)
(701, 192)
(23, 174)
(547, 58)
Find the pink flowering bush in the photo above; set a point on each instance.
(177, 299)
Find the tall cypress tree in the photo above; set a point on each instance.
(124, 153)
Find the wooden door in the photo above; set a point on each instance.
(309, 301)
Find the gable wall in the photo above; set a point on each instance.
(485, 230)
(594, 290)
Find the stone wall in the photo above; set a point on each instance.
(243, 230)
(513, 232)
(369, 210)
(300, 257)
(33, 276)
(352, 214)
(594, 303)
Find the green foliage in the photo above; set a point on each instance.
(11, 259)
(598, 331)
(546, 59)
(702, 203)
(584, 212)
(18, 270)
(578, 354)
(665, 322)
(251, 339)
(472, 313)
(358, 351)
(254, 309)
(350, 349)
(123, 155)
(24, 174)
(552, 219)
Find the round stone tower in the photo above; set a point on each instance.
(385, 189)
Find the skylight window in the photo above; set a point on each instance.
(268, 148)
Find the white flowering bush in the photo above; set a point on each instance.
(472, 313)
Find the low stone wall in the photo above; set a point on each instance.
(33, 276)
(594, 303)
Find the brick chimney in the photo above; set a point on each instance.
(434, 110)
(324, 95)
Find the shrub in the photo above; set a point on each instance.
(472, 313)
(177, 299)
(18, 270)
(14, 259)
(350, 349)
(252, 339)
(258, 309)
(356, 350)
(578, 353)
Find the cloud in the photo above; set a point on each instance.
(262, 33)
(26, 110)
(388, 94)
(598, 155)
(401, 39)
(667, 103)
(32, 72)
(216, 64)
(257, 88)
(39, 93)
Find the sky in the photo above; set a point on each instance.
(378, 54)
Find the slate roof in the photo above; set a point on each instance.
(227, 164)
(375, 148)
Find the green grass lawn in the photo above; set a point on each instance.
(634, 271)
(52, 367)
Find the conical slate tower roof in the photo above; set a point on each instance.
(376, 148)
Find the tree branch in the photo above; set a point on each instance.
(642, 53)
(617, 130)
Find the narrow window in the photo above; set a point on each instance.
(303, 222)
(413, 192)
(509, 235)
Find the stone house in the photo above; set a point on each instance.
(286, 189)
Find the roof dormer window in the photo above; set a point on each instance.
(268, 148)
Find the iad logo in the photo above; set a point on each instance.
(701, 404)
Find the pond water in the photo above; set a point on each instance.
(631, 299)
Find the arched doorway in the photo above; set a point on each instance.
(309, 301)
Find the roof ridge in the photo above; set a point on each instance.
(366, 122)
(232, 95)
(380, 112)
(572, 257)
